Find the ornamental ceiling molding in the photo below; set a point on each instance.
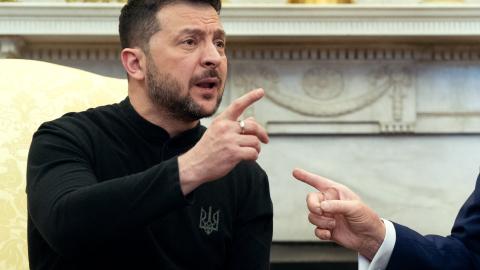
(94, 19)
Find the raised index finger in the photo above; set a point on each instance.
(238, 106)
(331, 188)
(316, 181)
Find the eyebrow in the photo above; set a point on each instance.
(198, 32)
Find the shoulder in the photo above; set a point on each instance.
(77, 131)
(80, 122)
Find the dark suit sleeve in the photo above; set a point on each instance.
(460, 250)
(254, 222)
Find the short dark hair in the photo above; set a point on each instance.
(138, 22)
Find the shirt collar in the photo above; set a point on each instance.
(153, 132)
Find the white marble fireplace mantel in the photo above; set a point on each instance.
(261, 21)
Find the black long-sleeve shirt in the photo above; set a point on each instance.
(103, 193)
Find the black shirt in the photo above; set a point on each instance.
(103, 193)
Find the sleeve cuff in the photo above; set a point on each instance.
(381, 259)
(189, 198)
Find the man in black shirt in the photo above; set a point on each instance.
(141, 184)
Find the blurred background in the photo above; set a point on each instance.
(381, 95)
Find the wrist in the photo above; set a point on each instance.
(374, 242)
(188, 173)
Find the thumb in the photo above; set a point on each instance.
(339, 207)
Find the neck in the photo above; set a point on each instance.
(158, 116)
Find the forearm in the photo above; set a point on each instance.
(72, 210)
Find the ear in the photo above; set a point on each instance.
(133, 60)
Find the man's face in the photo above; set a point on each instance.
(186, 64)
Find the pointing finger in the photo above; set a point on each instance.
(238, 106)
(316, 181)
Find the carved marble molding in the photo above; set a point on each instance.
(247, 21)
(73, 52)
(11, 47)
(337, 21)
(308, 51)
(328, 95)
(358, 89)
(343, 52)
(312, 89)
(312, 101)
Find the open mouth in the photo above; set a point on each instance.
(208, 83)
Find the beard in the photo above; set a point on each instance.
(165, 92)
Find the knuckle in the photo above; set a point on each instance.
(252, 154)
(357, 204)
(230, 149)
(231, 159)
(222, 126)
(309, 197)
(312, 218)
(228, 139)
(253, 126)
(216, 120)
(331, 224)
(255, 155)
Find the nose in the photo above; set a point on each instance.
(212, 57)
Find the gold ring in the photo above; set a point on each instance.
(242, 126)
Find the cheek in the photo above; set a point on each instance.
(224, 65)
(184, 72)
(182, 75)
(224, 68)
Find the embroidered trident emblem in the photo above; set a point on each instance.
(209, 221)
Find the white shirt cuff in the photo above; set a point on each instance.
(381, 259)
